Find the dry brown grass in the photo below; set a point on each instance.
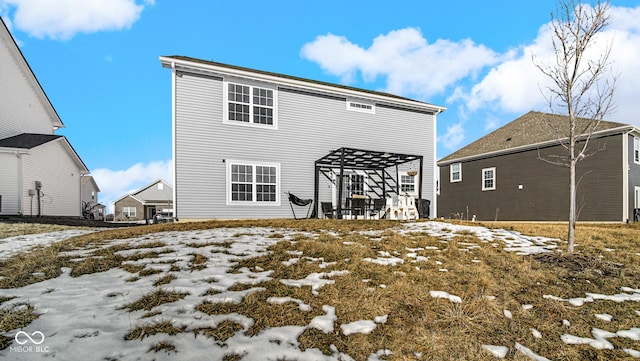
(21, 229)
(417, 323)
(14, 317)
(154, 299)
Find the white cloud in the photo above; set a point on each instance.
(453, 137)
(63, 19)
(515, 85)
(410, 65)
(115, 183)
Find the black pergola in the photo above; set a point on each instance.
(375, 162)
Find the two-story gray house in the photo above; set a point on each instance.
(243, 139)
(502, 176)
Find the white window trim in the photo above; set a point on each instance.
(128, 211)
(493, 169)
(253, 202)
(361, 106)
(451, 172)
(415, 184)
(251, 85)
(636, 148)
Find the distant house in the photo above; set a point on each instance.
(243, 139)
(40, 171)
(501, 176)
(144, 203)
(91, 207)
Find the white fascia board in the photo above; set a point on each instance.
(14, 150)
(239, 73)
(521, 148)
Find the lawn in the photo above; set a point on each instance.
(326, 290)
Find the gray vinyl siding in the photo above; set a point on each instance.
(634, 176)
(154, 194)
(309, 127)
(60, 176)
(545, 187)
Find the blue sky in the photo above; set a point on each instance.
(98, 63)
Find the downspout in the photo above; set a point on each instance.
(626, 215)
(173, 139)
(20, 185)
(436, 172)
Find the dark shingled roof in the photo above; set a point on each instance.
(27, 140)
(206, 62)
(531, 128)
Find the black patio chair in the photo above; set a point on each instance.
(357, 206)
(294, 200)
(377, 207)
(328, 210)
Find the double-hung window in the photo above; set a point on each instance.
(248, 104)
(408, 184)
(489, 179)
(455, 172)
(636, 150)
(129, 212)
(253, 183)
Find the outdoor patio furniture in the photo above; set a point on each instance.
(294, 200)
(358, 207)
(377, 206)
(402, 208)
(328, 210)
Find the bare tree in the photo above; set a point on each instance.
(582, 87)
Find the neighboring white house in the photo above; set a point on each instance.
(243, 139)
(40, 171)
(91, 206)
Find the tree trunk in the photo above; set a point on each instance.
(572, 206)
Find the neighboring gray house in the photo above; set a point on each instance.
(244, 138)
(91, 207)
(40, 171)
(501, 176)
(144, 203)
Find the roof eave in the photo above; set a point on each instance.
(169, 62)
(623, 129)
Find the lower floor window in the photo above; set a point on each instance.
(129, 212)
(253, 183)
(408, 183)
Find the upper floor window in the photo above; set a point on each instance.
(636, 150)
(455, 172)
(489, 179)
(249, 104)
(252, 183)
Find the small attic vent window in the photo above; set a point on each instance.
(509, 139)
(358, 106)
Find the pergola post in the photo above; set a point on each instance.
(340, 185)
(316, 184)
(420, 180)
